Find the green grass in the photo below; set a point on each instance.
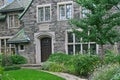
(29, 74)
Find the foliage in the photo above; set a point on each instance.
(100, 22)
(6, 60)
(59, 62)
(111, 57)
(29, 74)
(17, 59)
(79, 64)
(55, 67)
(46, 65)
(1, 73)
(107, 72)
(116, 76)
(8, 68)
(1, 58)
(85, 64)
(9, 60)
(59, 58)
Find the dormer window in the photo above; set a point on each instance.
(13, 21)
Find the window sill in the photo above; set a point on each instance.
(43, 22)
(13, 27)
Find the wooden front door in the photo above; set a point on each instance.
(45, 48)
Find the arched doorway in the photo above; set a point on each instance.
(46, 48)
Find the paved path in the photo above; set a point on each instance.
(67, 76)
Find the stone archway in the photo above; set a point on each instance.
(40, 39)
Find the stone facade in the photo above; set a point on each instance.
(54, 29)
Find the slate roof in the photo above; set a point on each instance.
(16, 5)
(20, 37)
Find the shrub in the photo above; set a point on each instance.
(46, 65)
(59, 58)
(6, 60)
(8, 68)
(110, 57)
(17, 59)
(1, 72)
(62, 59)
(116, 76)
(85, 64)
(57, 67)
(107, 72)
(52, 66)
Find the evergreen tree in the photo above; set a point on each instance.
(101, 23)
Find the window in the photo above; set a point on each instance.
(43, 13)
(13, 21)
(22, 48)
(65, 10)
(75, 46)
(84, 11)
(6, 48)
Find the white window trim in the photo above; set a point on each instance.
(8, 20)
(5, 37)
(73, 43)
(64, 3)
(44, 12)
(20, 49)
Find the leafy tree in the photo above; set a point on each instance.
(100, 24)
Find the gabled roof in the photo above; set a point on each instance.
(20, 37)
(14, 6)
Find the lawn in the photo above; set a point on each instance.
(29, 74)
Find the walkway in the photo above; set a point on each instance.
(67, 76)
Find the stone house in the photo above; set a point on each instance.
(38, 28)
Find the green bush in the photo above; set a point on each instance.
(6, 60)
(17, 59)
(52, 66)
(107, 72)
(116, 76)
(64, 60)
(85, 64)
(57, 67)
(1, 73)
(46, 65)
(59, 58)
(111, 57)
(8, 68)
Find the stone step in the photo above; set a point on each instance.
(30, 65)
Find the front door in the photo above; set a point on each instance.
(45, 48)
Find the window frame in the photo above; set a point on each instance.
(5, 44)
(58, 10)
(8, 21)
(43, 6)
(80, 43)
(20, 47)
